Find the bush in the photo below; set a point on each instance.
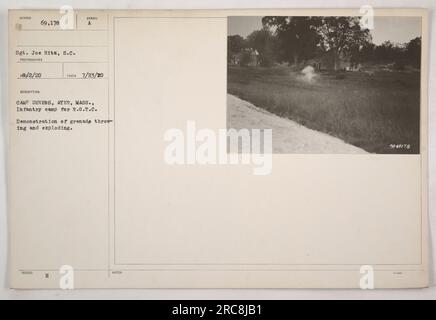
(245, 59)
(400, 65)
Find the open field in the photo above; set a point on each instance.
(372, 111)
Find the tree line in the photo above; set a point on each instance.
(296, 40)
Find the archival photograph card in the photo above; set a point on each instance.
(218, 149)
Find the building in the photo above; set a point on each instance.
(246, 57)
(326, 61)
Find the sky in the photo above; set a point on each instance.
(395, 29)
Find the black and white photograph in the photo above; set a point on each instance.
(327, 84)
(217, 151)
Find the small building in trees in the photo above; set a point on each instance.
(246, 57)
(326, 61)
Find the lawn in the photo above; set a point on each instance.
(378, 112)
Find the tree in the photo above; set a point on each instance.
(341, 36)
(367, 52)
(389, 52)
(297, 37)
(413, 52)
(301, 37)
(264, 42)
(235, 44)
(245, 58)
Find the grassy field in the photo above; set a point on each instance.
(371, 111)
